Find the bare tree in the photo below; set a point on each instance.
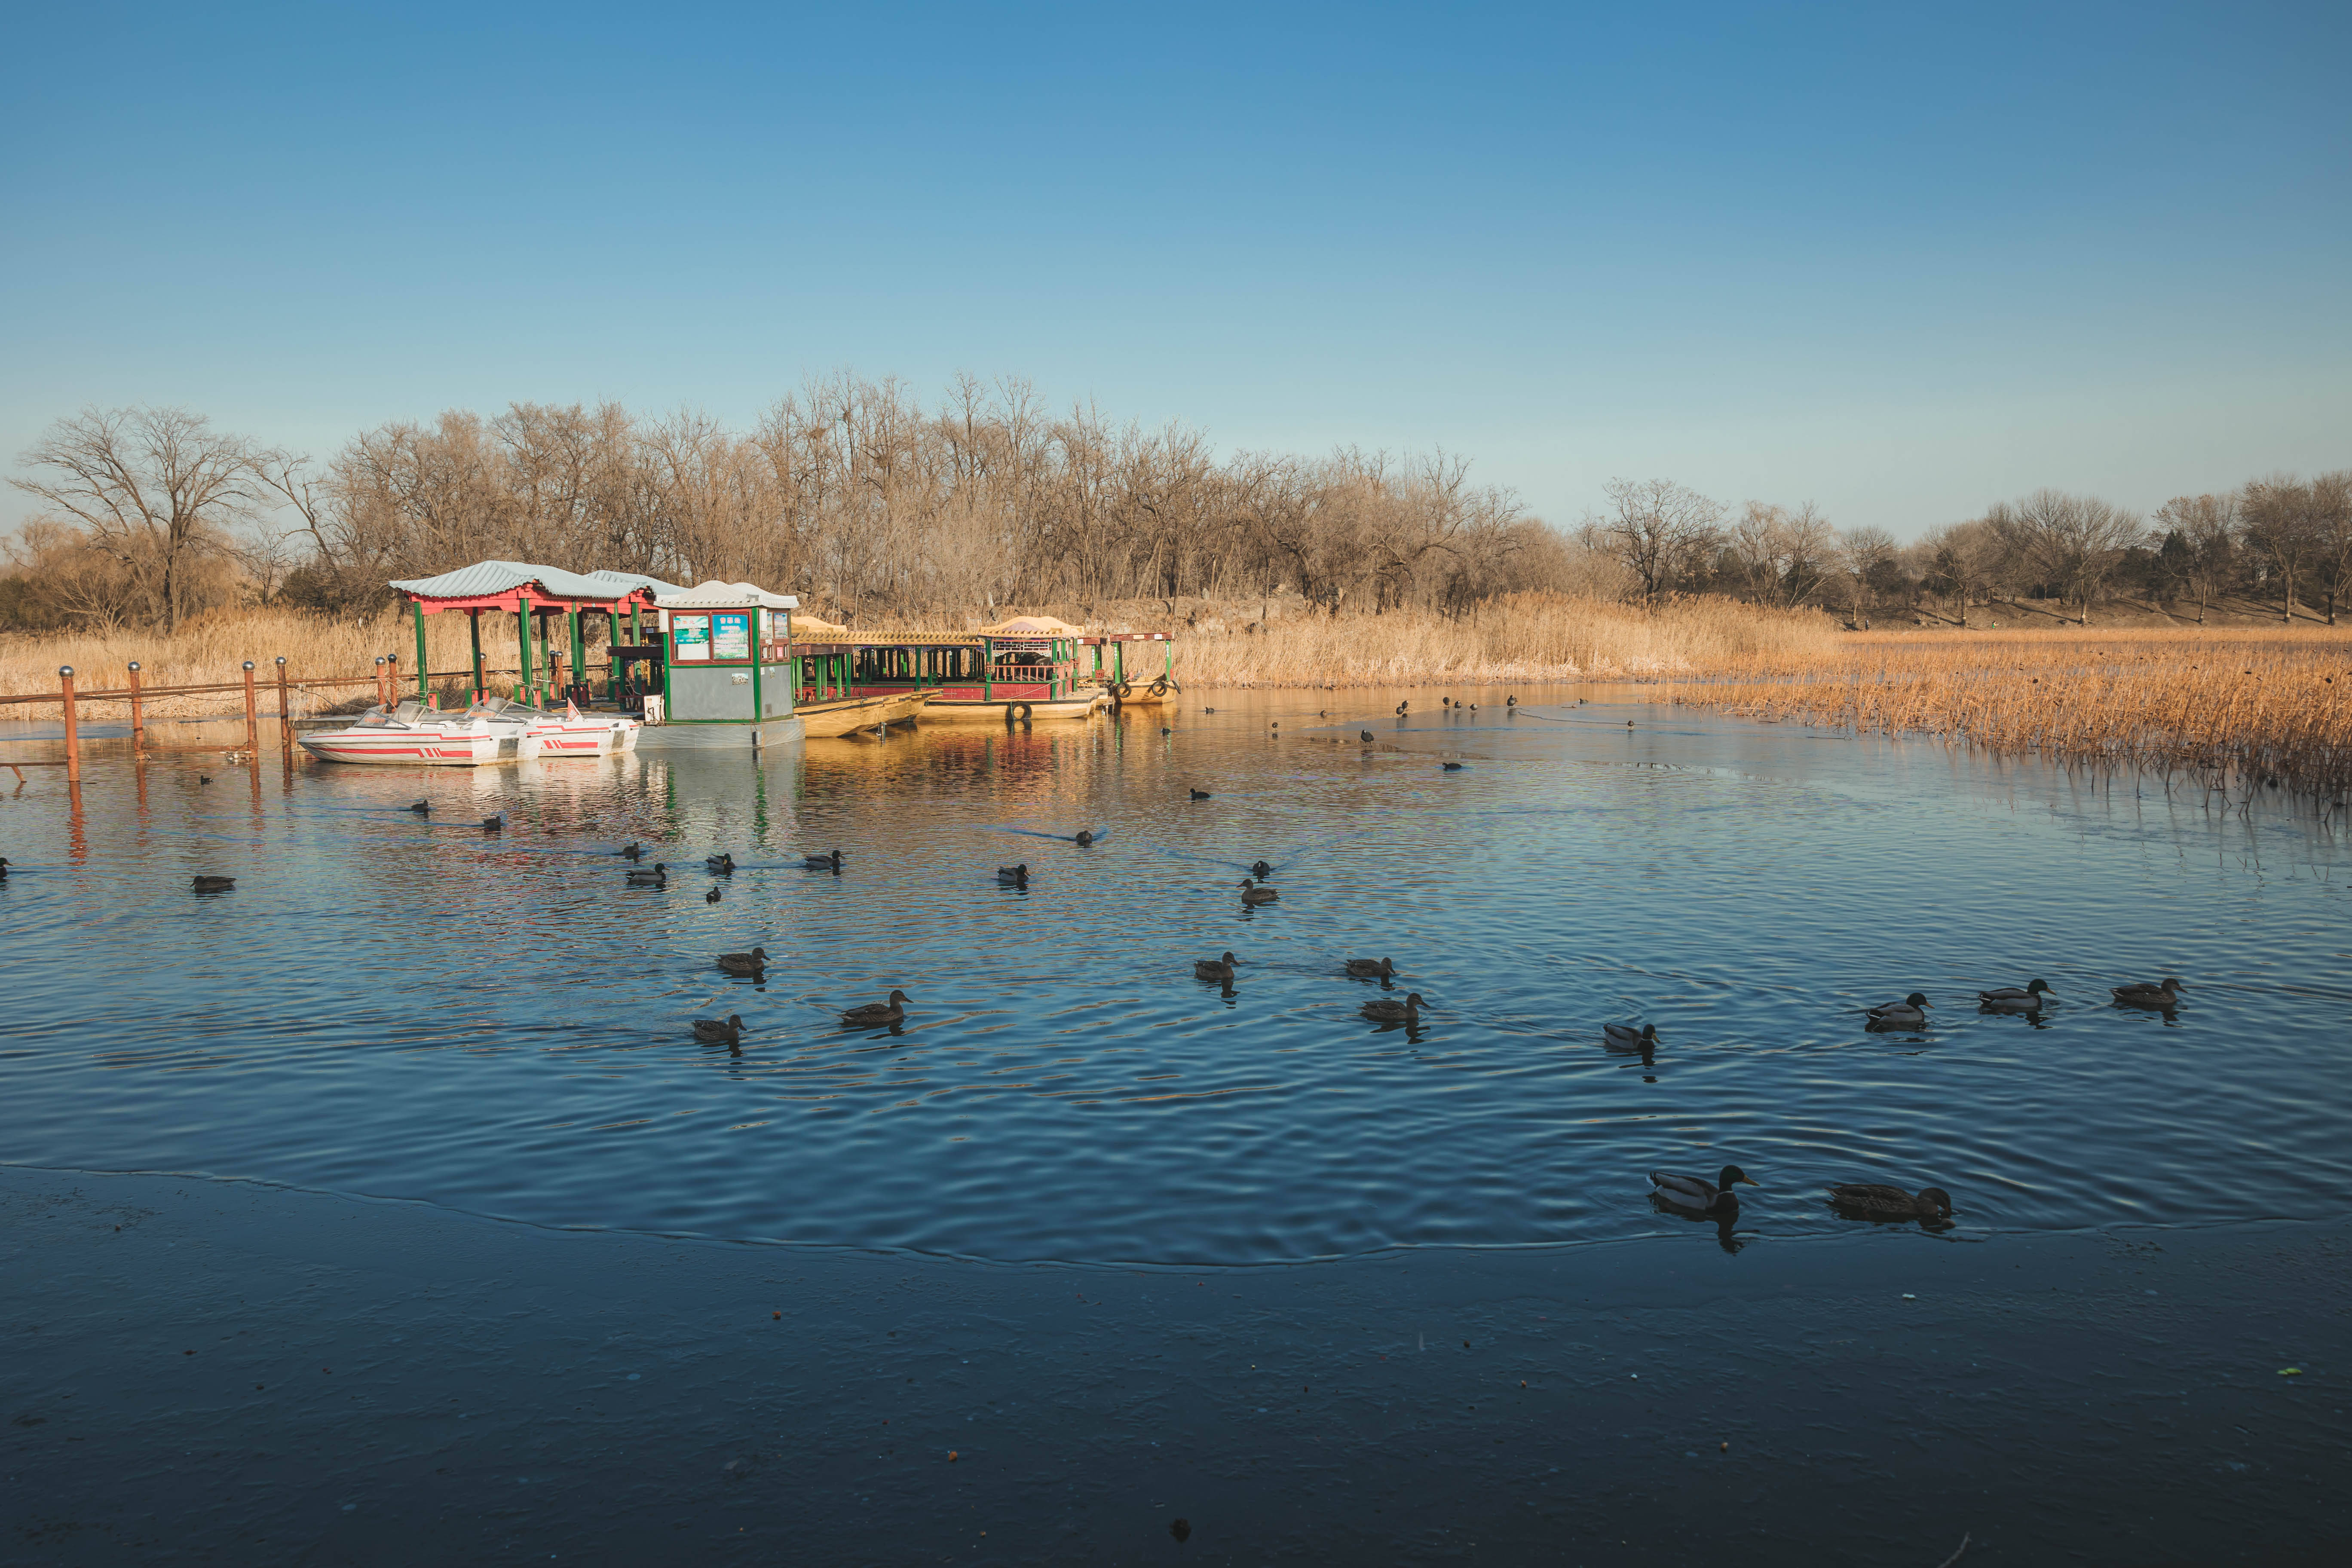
(2282, 527)
(1659, 529)
(1863, 554)
(2073, 540)
(158, 488)
(2331, 518)
(2200, 544)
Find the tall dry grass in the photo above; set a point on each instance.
(215, 648)
(2234, 707)
(1519, 636)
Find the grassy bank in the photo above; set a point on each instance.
(2232, 708)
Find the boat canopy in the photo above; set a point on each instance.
(502, 584)
(717, 595)
(1030, 627)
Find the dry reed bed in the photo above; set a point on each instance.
(214, 648)
(2233, 708)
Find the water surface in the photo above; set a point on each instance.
(409, 1008)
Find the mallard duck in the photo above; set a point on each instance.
(876, 1013)
(721, 865)
(1699, 1194)
(1371, 968)
(1386, 1012)
(655, 877)
(1906, 1013)
(711, 1032)
(495, 824)
(1450, 767)
(822, 862)
(2010, 999)
(634, 852)
(1892, 1203)
(1214, 968)
(1085, 837)
(2165, 997)
(1013, 875)
(751, 962)
(1625, 1038)
(1200, 794)
(1254, 894)
(214, 884)
(711, 897)
(421, 807)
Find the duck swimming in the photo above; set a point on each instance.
(1891, 1203)
(1214, 968)
(2165, 997)
(214, 884)
(495, 824)
(1261, 870)
(1625, 1038)
(822, 862)
(1909, 1013)
(1085, 837)
(634, 852)
(752, 962)
(711, 897)
(1200, 794)
(1013, 875)
(422, 809)
(657, 877)
(875, 1013)
(1451, 767)
(1695, 1193)
(721, 865)
(1371, 968)
(2010, 999)
(1254, 894)
(1385, 1012)
(712, 1032)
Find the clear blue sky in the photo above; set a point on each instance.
(1903, 260)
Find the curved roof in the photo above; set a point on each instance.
(1030, 627)
(717, 595)
(488, 578)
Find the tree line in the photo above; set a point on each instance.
(868, 505)
(848, 492)
(2279, 540)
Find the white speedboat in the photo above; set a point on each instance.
(495, 731)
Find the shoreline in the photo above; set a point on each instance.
(437, 1385)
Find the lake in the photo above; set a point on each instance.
(408, 1008)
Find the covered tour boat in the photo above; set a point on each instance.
(492, 731)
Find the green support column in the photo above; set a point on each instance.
(758, 710)
(522, 642)
(988, 670)
(579, 649)
(474, 627)
(423, 674)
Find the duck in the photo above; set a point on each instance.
(822, 862)
(711, 1032)
(1166, 730)
(2166, 996)
(1892, 1203)
(634, 852)
(214, 884)
(657, 877)
(1013, 875)
(1625, 1038)
(1697, 1192)
(1085, 837)
(1451, 767)
(711, 897)
(1445, 702)
(204, 778)
(1402, 706)
(1254, 894)
(751, 962)
(495, 824)
(1215, 968)
(1365, 736)
(878, 1013)
(1386, 1012)
(1908, 1013)
(1200, 794)
(2010, 999)
(1371, 968)
(721, 865)
(1261, 870)
(1474, 708)
(1510, 703)
(421, 807)
(3, 867)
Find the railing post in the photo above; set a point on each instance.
(379, 682)
(391, 680)
(73, 737)
(138, 717)
(284, 714)
(252, 721)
